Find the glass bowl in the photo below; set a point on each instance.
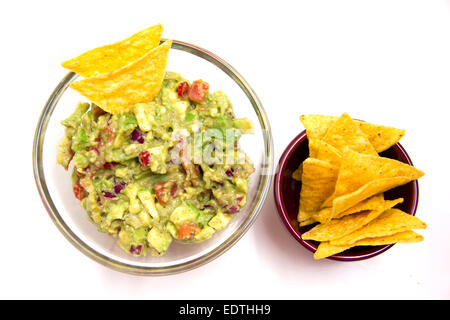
(55, 187)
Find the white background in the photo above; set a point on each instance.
(386, 62)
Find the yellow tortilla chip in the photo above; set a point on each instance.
(117, 55)
(381, 137)
(318, 180)
(317, 125)
(345, 133)
(388, 223)
(362, 176)
(297, 174)
(321, 150)
(327, 249)
(338, 228)
(372, 203)
(139, 81)
(307, 222)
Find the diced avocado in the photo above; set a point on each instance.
(116, 211)
(158, 156)
(80, 160)
(145, 218)
(134, 221)
(130, 239)
(131, 192)
(148, 201)
(220, 221)
(123, 173)
(103, 184)
(75, 118)
(143, 120)
(172, 229)
(183, 214)
(244, 124)
(65, 152)
(168, 96)
(117, 155)
(241, 185)
(202, 217)
(205, 234)
(223, 121)
(160, 241)
(220, 101)
(127, 123)
(142, 175)
(133, 149)
(80, 140)
(115, 227)
(181, 107)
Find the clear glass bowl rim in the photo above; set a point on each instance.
(261, 195)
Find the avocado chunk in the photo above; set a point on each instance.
(158, 157)
(172, 229)
(133, 240)
(158, 240)
(131, 192)
(75, 118)
(241, 185)
(183, 214)
(205, 234)
(116, 211)
(220, 221)
(140, 111)
(148, 201)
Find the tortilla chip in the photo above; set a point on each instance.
(326, 249)
(338, 228)
(307, 222)
(317, 125)
(381, 137)
(388, 223)
(115, 56)
(345, 133)
(297, 174)
(321, 150)
(138, 81)
(362, 176)
(372, 203)
(318, 180)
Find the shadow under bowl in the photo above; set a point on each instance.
(287, 196)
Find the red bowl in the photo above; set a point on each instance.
(287, 195)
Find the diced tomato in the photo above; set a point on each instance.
(109, 165)
(198, 90)
(187, 231)
(144, 158)
(165, 191)
(78, 191)
(183, 89)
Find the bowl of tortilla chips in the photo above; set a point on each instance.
(346, 189)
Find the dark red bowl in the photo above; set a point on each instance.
(287, 195)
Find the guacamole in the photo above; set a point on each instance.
(171, 168)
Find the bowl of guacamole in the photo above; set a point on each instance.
(170, 184)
